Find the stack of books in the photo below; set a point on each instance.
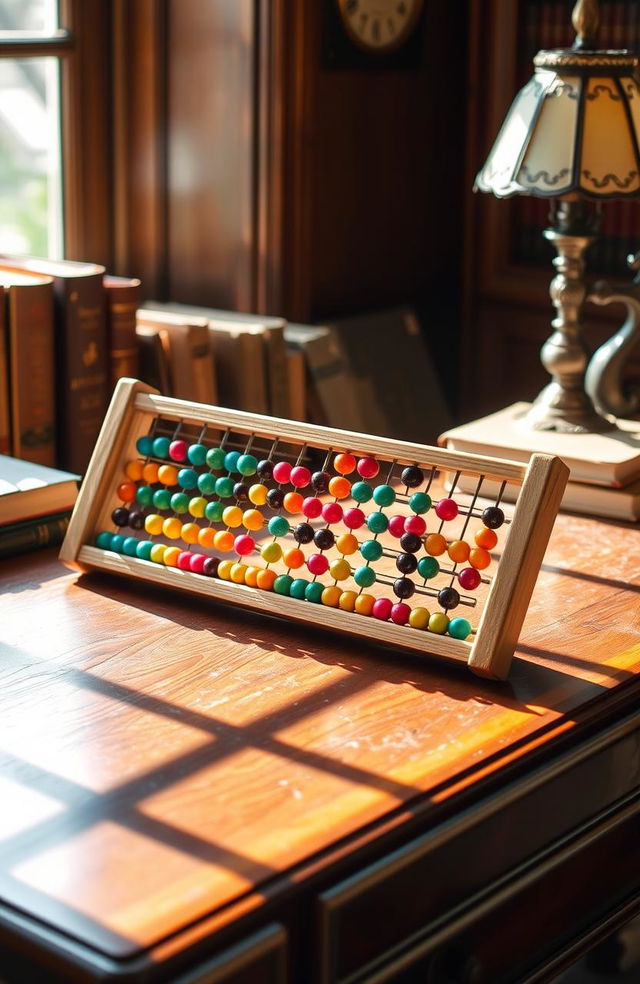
(35, 505)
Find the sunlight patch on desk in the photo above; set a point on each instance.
(23, 807)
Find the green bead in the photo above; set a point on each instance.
(420, 502)
(160, 447)
(130, 546)
(298, 589)
(231, 461)
(364, 577)
(144, 445)
(162, 499)
(377, 522)
(361, 491)
(279, 526)
(371, 550)
(103, 540)
(282, 584)
(384, 495)
(207, 483)
(187, 478)
(215, 458)
(224, 487)
(180, 502)
(213, 511)
(313, 591)
(428, 567)
(247, 464)
(197, 454)
(144, 495)
(143, 550)
(459, 628)
(117, 542)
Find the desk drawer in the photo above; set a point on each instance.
(260, 959)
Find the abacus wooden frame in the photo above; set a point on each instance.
(543, 480)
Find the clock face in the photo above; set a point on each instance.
(379, 25)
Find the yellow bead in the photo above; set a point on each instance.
(197, 506)
(293, 502)
(153, 524)
(419, 618)
(157, 552)
(258, 494)
(133, 470)
(265, 579)
(340, 569)
(271, 552)
(251, 576)
(439, 623)
(223, 540)
(172, 528)
(168, 475)
(224, 569)
(189, 532)
(364, 604)
(347, 543)
(232, 516)
(150, 472)
(238, 572)
(170, 556)
(331, 596)
(347, 601)
(205, 536)
(294, 558)
(252, 519)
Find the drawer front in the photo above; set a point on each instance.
(260, 959)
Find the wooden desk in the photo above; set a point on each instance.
(192, 790)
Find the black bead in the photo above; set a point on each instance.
(324, 539)
(448, 598)
(406, 563)
(412, 476)
(275, 498)
(493, 517)
(136, 519)
(320, 481)
(210, 566)
(120, 516)
(265, 469)
(241, 492)
(410, 542)
(303, 533)
(403, 587)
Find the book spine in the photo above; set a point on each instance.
(32, 383)
(22, 537)
(5, 420)
(122, 302)
(277, 372)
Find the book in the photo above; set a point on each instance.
(296, 373)
(153, 361)
(29, 490)
(27, 313)
(188, 349)
(611, 459)
(45, 531)
(5, 419)
(331, 398)
(82, 364)
(122, 296)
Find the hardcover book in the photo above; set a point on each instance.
(122, 295)
(29, 490)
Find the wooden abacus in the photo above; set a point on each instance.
(185, 495)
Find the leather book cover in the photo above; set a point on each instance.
(123, 296)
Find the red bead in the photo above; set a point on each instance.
(344, 463)
(396, 526)
(184, 560)
(311, 507)
(243, 544)
(318, 564)
(354, 519)
(300, 476)
(126, 491)
(178, 450)
(368, 467)
(400, 613)
(197, 563)
(447, 509)
(332, 512)
(415, 524)
(282, 472)
(382, 609)
(469, 579)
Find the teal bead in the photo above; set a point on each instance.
(384, 495)
(103, 540)
(459, 628)
(282, 584)
(377, 522)
(224, 487)
(361, 491)
(364, 577)
(130, 546)
(215, 458)
(160, 447)
(279, 526)
(428, 567)
(187, 478)
(117, 542)
(143, 549)
(180, 502)
(144, 445)
(247, 464)
(144, 495)
(298, 589)
(162, 499)
(313, 591)
(371, 550)
(197, 454)
(231, 461)
(213, 511)
(207, 483)
(420, 502)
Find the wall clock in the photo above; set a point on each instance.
(379, 26)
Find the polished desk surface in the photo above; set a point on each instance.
(169, 764)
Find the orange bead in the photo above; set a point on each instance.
(331, 596)
(252, 519)
(168, 475)
(251, 576)
(479, 558)
(435, 544)
(189, 532)
(170, 556)
(206, 536)
(344, 463)
(364, 604)
(172, 528)
(347, 544)
(293, 502)
(340, 487)
(485, 538)
(459, 551)
(127, 491)
(347, 601)
(265, 579)
(294, 558)
(150, 472)
(232, 516)
(133, 470)
(223, 540)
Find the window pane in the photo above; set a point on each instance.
(30, 180)
(36, 16)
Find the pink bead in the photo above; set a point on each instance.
(400, 613)
(354, 519)
(184, 560)
(243, 544)
(469, 578)
(311, 507)
(396, 526)
(197, 563)
(447, 509)
(415, 524)
(318, 564)
(382, 609)
(178, 450)
(300, 476)
(332, 512)
(368, 467)
(282, 472)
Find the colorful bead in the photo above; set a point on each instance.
(324, 539)
(189, 532)
(298, 588)
(144, 495)
(143, 549)
(318, 564)
(459, 551)
(435, 544)
(224, 487)
(251, 576)
(364, 604)
(459, 628)
(231, 459)
(347, 601)
(377, 522)
(170, 556)
(207, 483)
(178, 450)
(448, 598)
(187, 478)
(344, 463)
(384, 495)
(415, 524)
(406, 563)
(168, 474)
(320, 481)
(340, 570)
(364, 577)
(361, 492)
(120, 516)
(420, 502)
(215, 458)
(410, 542)
(486, 538)
(266, 579)
(275, 498)
(162, 499)
(428, 567)
(293, 558)
(184, 560)
(382, 609)
(368, 467)
(258, 494)
(282, 584)
(241, 492)
(300, 476)
(312, 507)
(331, 596)
(339, 487)
(197, 563)
(403, 587)
(371, 550)
(313, 592)
(133, 470)
(205, 536)
(419, 618)
(210, 567)
(265, 469)
(271, 552)
(213, 511)
(232, 516)
(136, 519)
(347, 544)
(223, 541)
(247, 464)
(303, 533)
(282, 472)
(332, 512)
(150, 472)
(160, 447)
(157, 553)
(412, 476)
(469, 578)
(244, 545)
(278, 526)
(479, 558)
(293, 503)
(172, 528)
(224, 569)
(400, 613)
(493, 517)
(447, 509)
(197, 506)
(103, 540)
(252, 519)
(438, 622)
(180, 502)
(144, 445)
(153, 524)
(396, 526)
(127, 491)
(197, 454)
